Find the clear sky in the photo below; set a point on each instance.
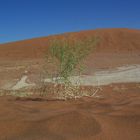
(24, 19)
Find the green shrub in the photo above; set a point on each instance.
(65, 58)
(68, 55)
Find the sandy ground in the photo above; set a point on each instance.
(113, 115)
(11, 72)
(124, 74)
(22, 83)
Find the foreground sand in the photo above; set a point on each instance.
(113, 114)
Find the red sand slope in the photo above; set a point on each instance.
(111, 41)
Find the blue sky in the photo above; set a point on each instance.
(24, 19)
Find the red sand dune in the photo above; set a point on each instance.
(111, 40)
(114, 114)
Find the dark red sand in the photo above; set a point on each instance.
(113, 115)
(110, 41)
